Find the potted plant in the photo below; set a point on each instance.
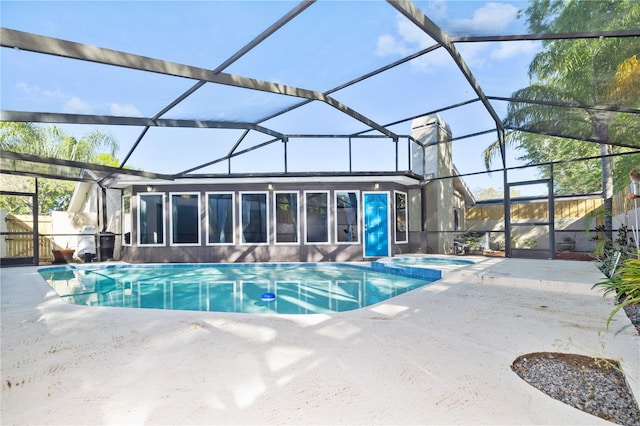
(62, 255)
(567, 244)
(472, 240)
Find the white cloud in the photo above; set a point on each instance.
(410, 39)
(37, 91)
(490, 17)
(508, 50)
(54, 94)
(479, 55)
(411, 34)
(437, 58)
(70, 104)
(76, 105)
(26, 89)
(437, 9)
(389, 46)
(128, 110)
(474, 54)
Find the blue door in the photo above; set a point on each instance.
(376, 224)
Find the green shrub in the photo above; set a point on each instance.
(609, 254)
(625, 283)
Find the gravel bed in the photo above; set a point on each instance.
(594, 385)
(633, 312)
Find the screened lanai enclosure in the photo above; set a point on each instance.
(322, 130)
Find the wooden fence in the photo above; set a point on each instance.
(20, 244)
(565, 208)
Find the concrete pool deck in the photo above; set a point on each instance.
(440, 354)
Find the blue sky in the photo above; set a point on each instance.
(328, 44)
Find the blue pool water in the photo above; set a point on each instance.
(298, 288)
(430, 261)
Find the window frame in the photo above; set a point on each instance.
(164, 219)
(395, 218)
(306, 220)
(357, 232)
(275, 217)
(233, 218)
(127, 223)
(172, 243)
(267, 218)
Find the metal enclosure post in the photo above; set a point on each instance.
(36, 232)
(285, 140)
(350, 170)
(507, 213)
(552, 215)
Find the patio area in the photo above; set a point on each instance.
(437, 355)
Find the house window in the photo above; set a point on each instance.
(347, 217)
(456, 219)
(401, 217)
(127, 220)
(220, 218)
(286, 214)
(317, 217)
(254, 216)
(151, 219)
(185, 218)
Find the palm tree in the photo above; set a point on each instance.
(582, 73)
(53, 142)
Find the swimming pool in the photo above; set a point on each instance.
(297, 288)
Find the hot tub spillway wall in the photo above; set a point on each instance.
(388, 267)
